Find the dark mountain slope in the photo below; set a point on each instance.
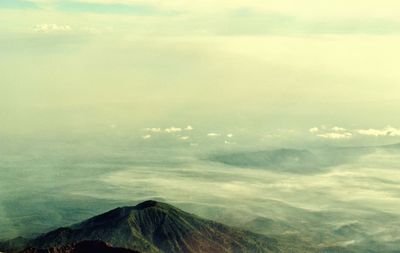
(157, 227)
(81, 247)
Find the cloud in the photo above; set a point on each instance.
(387, 131)
(229, 135)
(213, 134)
(154, 129)
(229, 142)
(168, 130)
(372, 132)
(335, 135)
(50, 28)
(173, 130)
(184, 138)
(148, 136)
(336, 132)
(338, 129)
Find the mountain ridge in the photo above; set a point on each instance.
(156, 227)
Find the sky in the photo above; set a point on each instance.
(86, 65)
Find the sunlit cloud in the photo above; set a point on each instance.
(338, 129)
(148, 136)
(50, 28)
(154, 129)
(335, 135)
(184, 138)
(332, 133)
(173, 130)
(229, 142)
(213, 134)
(229, 135)
(387, 131)
(168, 130)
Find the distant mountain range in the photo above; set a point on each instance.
(296, 160)
(149, 227)
(277, 159)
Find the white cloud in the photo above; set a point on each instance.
(173, 130)
(229, 135)
(229, 143)
(154, 129)
(338, 129)
(148, 136)
(213, 134)
(332, 133)
(387, 131)
(336, 132)
(189, 128)
(372, 132)
(335, 135)
(50, 28)
(184, 138)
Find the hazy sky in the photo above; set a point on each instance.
(89, 64)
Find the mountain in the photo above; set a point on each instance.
(395, 146)
(154, 227)
(278, 159)
(81, 247)
(301, 161)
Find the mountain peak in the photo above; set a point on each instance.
(155, 227)
(148, 204)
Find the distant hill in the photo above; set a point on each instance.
(278, 159)
(295, 160)
(154, 227)
(392, 146)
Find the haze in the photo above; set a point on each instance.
(106, 103)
